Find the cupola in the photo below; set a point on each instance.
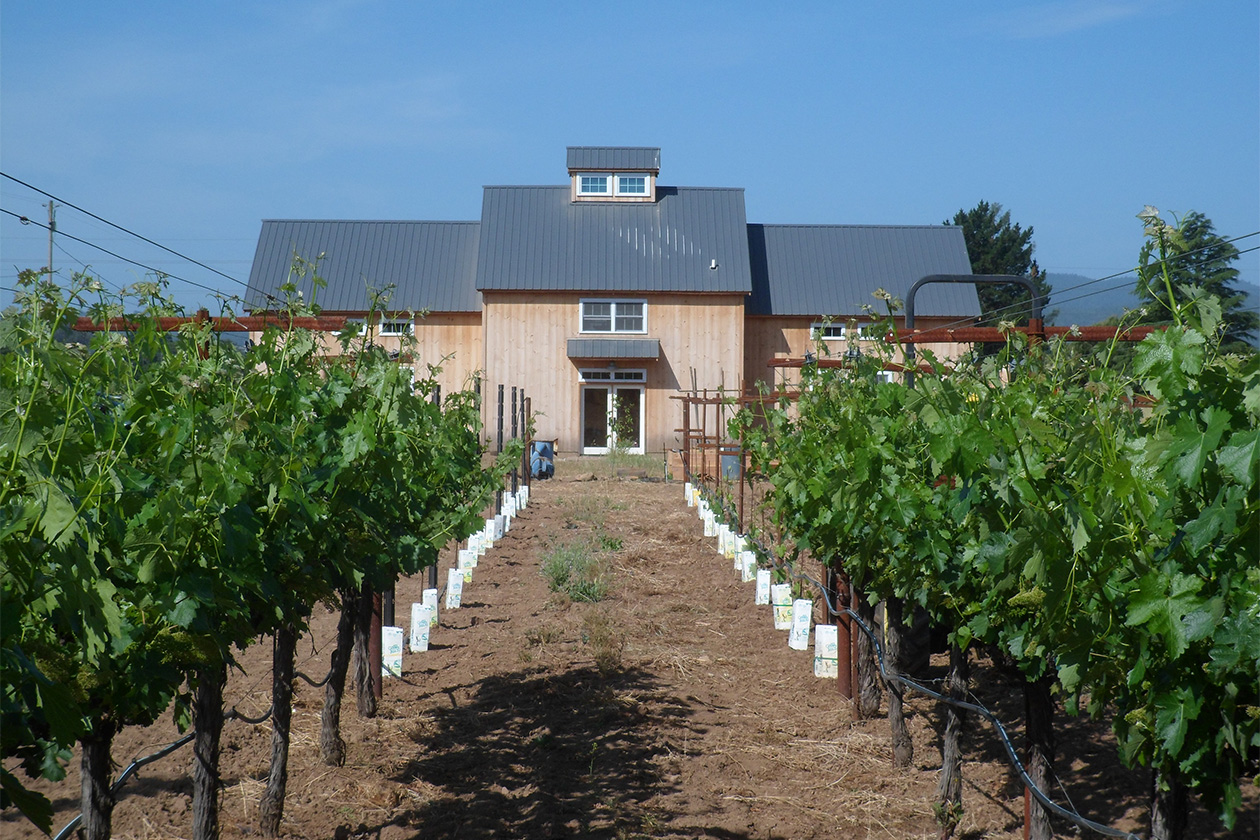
(614, 173)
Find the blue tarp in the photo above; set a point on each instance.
(542, 459)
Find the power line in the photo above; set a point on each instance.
(124, 230)
(1175, 256)
(150, 268)
(87, 268)
(1025, 307)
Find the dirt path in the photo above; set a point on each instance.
(669, 709)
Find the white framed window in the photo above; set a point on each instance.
(614, 184)
(632, 185)
(614, 316)
(886, 376)
(396, 326)
(839, 331)
(592, 183)
(614, 375)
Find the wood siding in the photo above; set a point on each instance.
(451, 340)
(526, 346)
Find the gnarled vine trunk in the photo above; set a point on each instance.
(207, 715)
(949, 786)
(903, 746)
(97, 802)
(332, 749)
(365, 695)
(1039, 731)
(867, 690)
(271, 807)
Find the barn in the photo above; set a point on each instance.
(604, 296)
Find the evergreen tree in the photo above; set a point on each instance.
(995, 246)
(1199, 261)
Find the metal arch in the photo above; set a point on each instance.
(976, 280)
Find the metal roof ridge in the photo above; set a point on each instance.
(659, 186)
(711, 189)
(851, 226)
(378, 221)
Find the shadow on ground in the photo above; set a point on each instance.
(536, 754)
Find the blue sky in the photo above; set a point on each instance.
(191, 122)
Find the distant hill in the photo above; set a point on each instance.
(1096, 302)
(1092, 302)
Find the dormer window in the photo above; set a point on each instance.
(614, 184)
(632, 185)
(592, 184)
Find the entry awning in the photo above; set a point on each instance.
(614, 348)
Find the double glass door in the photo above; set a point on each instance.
(612, 415)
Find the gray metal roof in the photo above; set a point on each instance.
(537, 239)
(613, 348)
(433, 265)
(829, 270)
(615, 157)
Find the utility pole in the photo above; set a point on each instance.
(52, 228)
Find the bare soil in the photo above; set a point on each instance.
(670, 709)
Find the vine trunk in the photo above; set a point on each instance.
(903, 746)
(207, 715)
(1039, 728)
(1168, 805)
(868, 691)
(365, 696)
(949, 786)
(332, 749)
(271, 807)
(97, 801)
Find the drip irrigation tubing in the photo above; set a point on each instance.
(1012, 754)
(312, 682)
(125, 775)
(1058, 810)
(134, 767)
(237, 714)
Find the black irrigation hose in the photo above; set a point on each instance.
(124, 776)
(134, 767)
(236, 714)
(1051, 805)
(1058, 810)
(311, 682)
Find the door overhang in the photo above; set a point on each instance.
(614, 348)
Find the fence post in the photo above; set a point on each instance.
(498, 495)
(433, 570)
(704, 435)
(686, 443)
(741, 478)
(515, 434)
(526, 473)
(839, 590)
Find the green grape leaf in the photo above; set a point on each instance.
(34, 806)
(1240, 459)
(1160, 605)
(1173, 714)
